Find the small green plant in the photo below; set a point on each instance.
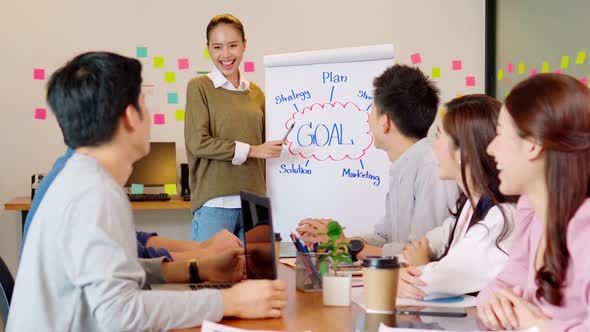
(334, 251)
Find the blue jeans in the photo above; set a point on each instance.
(209, 220)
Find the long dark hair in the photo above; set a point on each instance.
(470, 121)
(554, 110)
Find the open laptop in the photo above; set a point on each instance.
(258, 243)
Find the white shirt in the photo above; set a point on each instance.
(242, 149)
(79, 269)
(417, 201)
(473, 259)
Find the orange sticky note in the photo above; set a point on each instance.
(170, 188)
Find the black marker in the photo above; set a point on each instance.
(289, 130)
(430, 313)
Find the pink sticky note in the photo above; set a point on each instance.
(40, 114)
(183, 63)
(159, 119)
(533, 71)
(584, 80)
(558, 71)
(416, 58)
(39, 74)
(249, 67)
(470, 80)
(510, 68)
(457, 65)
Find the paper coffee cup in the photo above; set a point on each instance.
(380, 283)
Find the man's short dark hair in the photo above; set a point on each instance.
(89, 95)
(409, 97)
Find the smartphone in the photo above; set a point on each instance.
(434, 311)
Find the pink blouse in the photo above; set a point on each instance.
(574, 313)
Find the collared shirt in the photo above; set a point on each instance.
(242, 149)
(417, 201)
(79, 269)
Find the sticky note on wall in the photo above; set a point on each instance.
(248, 67)
(173, 98)
(136, 188)
(521, 68)
(169, 77)
(470, 81)
(416, 58)
(457, 64)
(40, 113)
(159, 119)
(141, 52)
(206, 54)
(565, 62)
(435, 72)
(581, 58)
(545, 68)
(183, 64)
(500, 74)
(170, 188)
(509, 68)
(158, 62)
(179, 115)
(38, 74)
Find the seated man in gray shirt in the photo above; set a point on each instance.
(79, 270)
(404, 107)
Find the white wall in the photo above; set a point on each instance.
(48, 33)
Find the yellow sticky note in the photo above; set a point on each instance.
(565, 62)
(170, 188)
(179, 115)
(442, 112)
(169, 77)
(435, 72)
(500, 74)
(545, 68)
(158, 62)
(581, 58)
(521, 68)
(206, 53)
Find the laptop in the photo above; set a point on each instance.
(258, 244)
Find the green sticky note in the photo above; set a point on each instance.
(158, 62)
(581, 58)
(141, 52)
(435, 72)
(500, 74)
(521, 68)
(206, 53)
(545, 68)
(565, 62)
(170, 188)
(173, 98)
(169, 77)
(136, 188)
(179, 115)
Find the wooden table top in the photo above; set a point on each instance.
(175, 203)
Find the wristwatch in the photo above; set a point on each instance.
(193, 270)
(354, 247)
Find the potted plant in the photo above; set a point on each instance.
(336, 288)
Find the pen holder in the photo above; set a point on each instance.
(307, 272)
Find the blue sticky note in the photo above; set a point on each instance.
(141, 52)
(446, 299)
(136, 188)
(173, 98)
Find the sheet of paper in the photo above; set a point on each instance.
(214, 327)
(357, 296)
(383, 328)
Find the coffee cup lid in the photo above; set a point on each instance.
(278, 237)
(380, 262)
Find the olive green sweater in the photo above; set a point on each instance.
(215, 120)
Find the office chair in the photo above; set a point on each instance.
(6, 287)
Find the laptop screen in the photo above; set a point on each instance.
(258, 237)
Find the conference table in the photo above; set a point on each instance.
(306, 312)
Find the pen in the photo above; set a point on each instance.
(289, 130)
(430, 313)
